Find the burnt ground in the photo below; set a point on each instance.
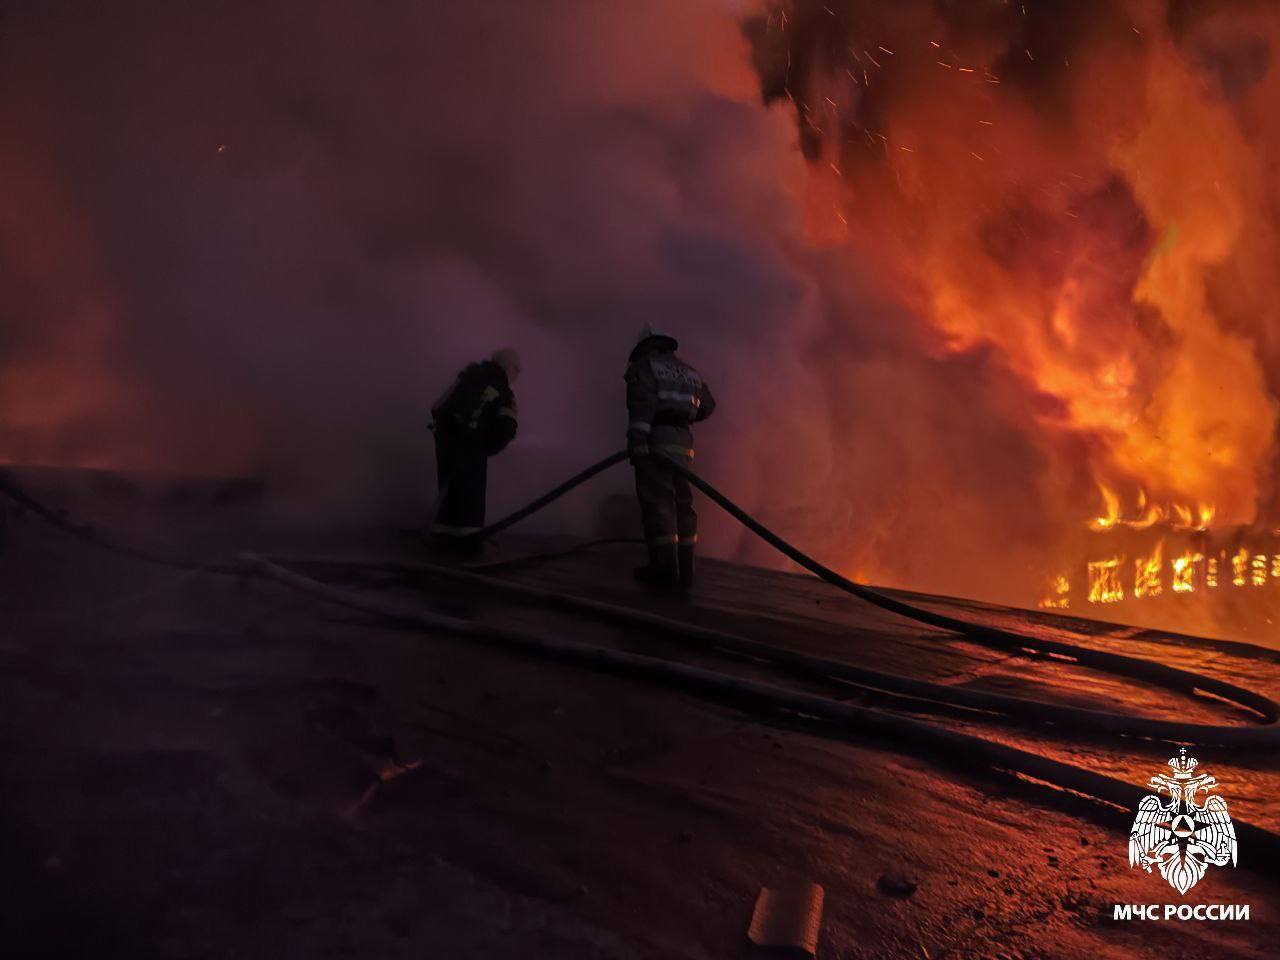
(192, 765)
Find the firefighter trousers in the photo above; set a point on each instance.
(461, 475)
(666, 505)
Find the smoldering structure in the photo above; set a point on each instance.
(964, 270)
(1080, 193)
(953, 299)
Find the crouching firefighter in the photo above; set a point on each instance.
(475, 419)
(664, 396)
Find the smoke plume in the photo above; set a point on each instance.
(951, 268)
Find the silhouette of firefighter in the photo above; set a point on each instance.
(664, 397)
(473, 421)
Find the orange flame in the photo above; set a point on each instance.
(1104, 581)
(1147, 573)
(1185, 568)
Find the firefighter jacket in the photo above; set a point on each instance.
(664, 396)
(479, 408)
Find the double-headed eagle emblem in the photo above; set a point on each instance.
(1178, 835)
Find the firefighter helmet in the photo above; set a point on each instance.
(509, 361)
(657, 337)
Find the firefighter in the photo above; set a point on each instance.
(475, 419)
(664, 396)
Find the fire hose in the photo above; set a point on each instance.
(1266, 735)
(1024, 712)
(845, 717)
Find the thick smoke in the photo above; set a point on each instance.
(263, 237)
(936, 259)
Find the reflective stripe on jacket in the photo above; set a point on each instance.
(664, 396)
(480, 405)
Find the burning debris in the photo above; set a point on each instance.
(1116, 578)
(1162, 552)
(1104, 582)
(1095, 218)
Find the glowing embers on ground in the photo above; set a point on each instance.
(1193, 567)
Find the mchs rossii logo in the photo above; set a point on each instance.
(1182, 828)
(1177, 835)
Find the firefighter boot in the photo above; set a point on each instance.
(661, 571)
(686, 566)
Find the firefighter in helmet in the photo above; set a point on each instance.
(664, 396)
(475, 419)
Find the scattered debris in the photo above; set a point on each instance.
(386, 773)
(788, 917)
(896, 885)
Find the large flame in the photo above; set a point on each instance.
(1083, 195)
(1010, 308)
(1076, 220)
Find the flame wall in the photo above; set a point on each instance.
(961, 267)
(1080, 191)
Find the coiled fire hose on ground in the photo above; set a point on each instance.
(948, 744)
